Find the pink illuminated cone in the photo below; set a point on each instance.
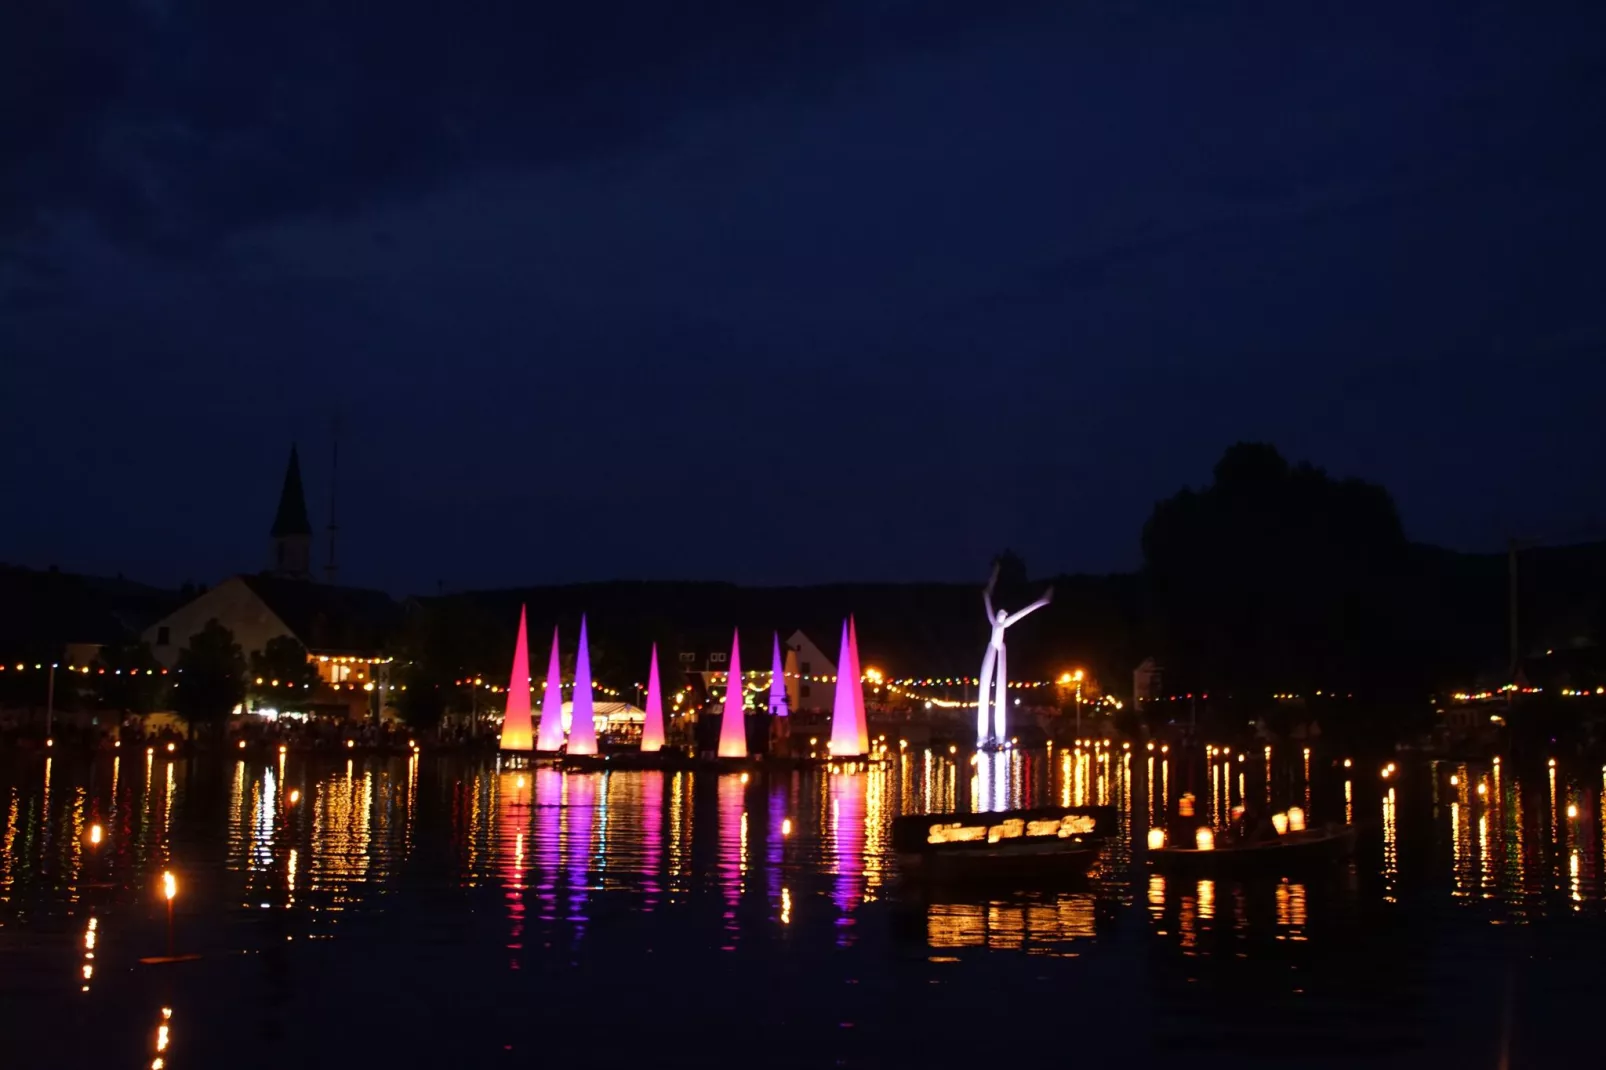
(652, 726)
(844, 710)
(583, 724)
(778, 682)
(733, 726)
(860, 721)
(550, 737)
(516, 721)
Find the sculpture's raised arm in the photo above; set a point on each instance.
(1048, 596)
(987, 594)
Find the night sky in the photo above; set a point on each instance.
(785, 291)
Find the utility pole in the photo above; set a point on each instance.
(1511, 607)
(381, 678)
(331, 570)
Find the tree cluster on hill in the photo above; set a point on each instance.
(1278, 577)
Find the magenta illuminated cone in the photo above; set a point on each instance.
(516, 721)
(778, 682)
(733, 726)
(861, 723)
(550, 737)
(844, 712)
(652, 726)
(583, 726)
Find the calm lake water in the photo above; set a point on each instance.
(448, 911)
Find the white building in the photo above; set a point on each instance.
(813, 685)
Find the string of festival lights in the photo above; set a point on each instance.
(759, 680)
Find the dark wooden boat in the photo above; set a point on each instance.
(1015, 846)
(669, 760)
(1316, 846)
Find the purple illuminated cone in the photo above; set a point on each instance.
(844, 711)
(778, 682)
(733, 726)
(861, 723)
(516, 721)
(583, 724)
(652, 726)
(550, 737)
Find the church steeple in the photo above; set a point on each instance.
(292, 531)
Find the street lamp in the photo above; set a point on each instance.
(1067, 679)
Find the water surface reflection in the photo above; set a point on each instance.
(449, 900)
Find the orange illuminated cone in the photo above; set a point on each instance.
(516, 721)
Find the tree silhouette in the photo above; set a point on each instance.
(1012, 578)
(132, 681)
(1276, 577)
(211, 677)
(421, 702)
(281, 675)
(429, 656)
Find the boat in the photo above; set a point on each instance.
(1308, 847)
(1019, 846)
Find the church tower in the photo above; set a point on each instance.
(292, 531)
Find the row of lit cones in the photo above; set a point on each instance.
(850, 730)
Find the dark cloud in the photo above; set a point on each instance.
(170, 124)
(744, 270)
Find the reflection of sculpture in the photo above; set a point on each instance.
(1000, 621)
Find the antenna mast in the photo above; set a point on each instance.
(331, 570)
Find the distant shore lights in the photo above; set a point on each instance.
(516, 734)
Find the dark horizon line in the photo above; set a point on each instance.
(827, 584)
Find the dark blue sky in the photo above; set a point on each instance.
(785, 291)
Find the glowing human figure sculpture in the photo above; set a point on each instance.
(652, 725)
(550, 735)
(994, 667)
(733, 726)
(583, 725)
(516, 720)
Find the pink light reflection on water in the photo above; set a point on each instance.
(652, 836)
(848, 792)
(511, 817)
(579, 820)
(775, 845)
(548, 821)
(732, 805)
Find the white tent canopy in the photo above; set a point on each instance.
(609, 716)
